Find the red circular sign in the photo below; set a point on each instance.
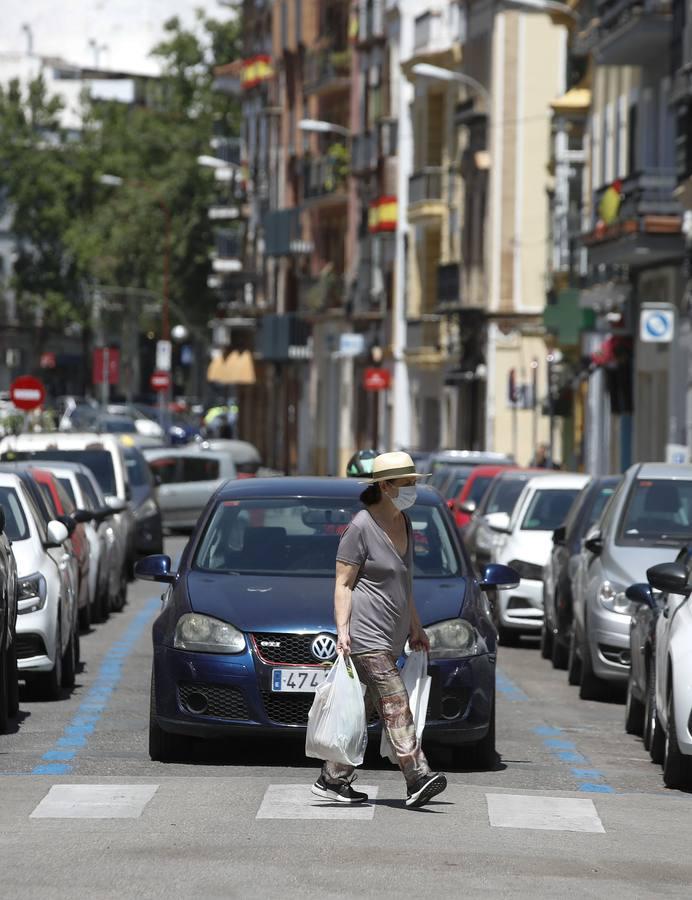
(27, 392)
(160, 381)
(376, 379)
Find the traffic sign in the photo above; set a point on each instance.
(160, 381)
(27, 392)
(351, 344)
(375, 379)
(657, 323)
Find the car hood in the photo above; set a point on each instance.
(628, 565)
(279, 603)
(28, 557)
(529, 546)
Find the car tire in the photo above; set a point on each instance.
(573, 661)
(69, 663)
(560, 654)
(657, 748)
(84, 616)
(12, 681)
(163, 746)
(677, 767)
(634, 712)
(547, 640)
(590, 686)
(650, 708)
(49, 684)
(4, 710)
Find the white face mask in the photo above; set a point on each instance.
(405, 498)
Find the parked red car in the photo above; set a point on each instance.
(464, 504)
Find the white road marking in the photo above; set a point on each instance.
(295, 801)
(546, 813)
(95, 801)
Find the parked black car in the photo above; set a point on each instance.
(144, 502)
(9, 685)
(557, 597)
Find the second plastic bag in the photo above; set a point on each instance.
(416, 680)
(337, 729)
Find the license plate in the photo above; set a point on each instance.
(305, 681)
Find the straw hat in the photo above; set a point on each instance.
(397, 464)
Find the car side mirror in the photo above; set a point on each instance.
(155, 568)
(559, 536)
(641, 594)
(499, 522)
(451, 504)
(499, 578)
(671, 578)
(69, 522)
(594, 544)
(469, 507)
(116, 504)
(56, 533)
(83, 515)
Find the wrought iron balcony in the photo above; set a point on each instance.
(630, 32)
(324, 177)
(364, 152)
(425, 185)
(283, 234)
(327, 70)
(644, 194)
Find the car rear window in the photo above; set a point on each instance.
(99, 461)
(658, 511)
(505, 495)
(200, 468)
(548, 509)
(300, 537)
(479, 487)
(16, 527)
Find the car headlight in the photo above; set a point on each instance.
(614, 600)
(452, 638)
(147, 509)
(527, 569)
(205, 634)
(31, 593)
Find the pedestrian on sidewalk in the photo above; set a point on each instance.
(375, 614)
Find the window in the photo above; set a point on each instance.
(91, 501)
(479, 487)
(166, 469)
(138, 471)
(99, 461)
(505, 495)
(66, 502)
(598, 506)
(548, 509)
(300, 537)
(16, 527)
(199, 468)
(65, 482)
(658, 511)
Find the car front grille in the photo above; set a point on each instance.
(293, 709)
(292, 649)
(213, 700)
(29, 645)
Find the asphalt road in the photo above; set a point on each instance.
(574, 808)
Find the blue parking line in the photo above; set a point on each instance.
(75, 736)
(590, 780)
(508, 689)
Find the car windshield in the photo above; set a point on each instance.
(479, 487)
(548, 509)
(99, 461)
(137, 468)
(65, 482)
(117, 426)
(300, 537)
(505, 495)
(598, 506)
(658, 511)
(454, 484)
(16, 527)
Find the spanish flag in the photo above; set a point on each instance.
(609, 207)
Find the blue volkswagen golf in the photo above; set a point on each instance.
(246, 632)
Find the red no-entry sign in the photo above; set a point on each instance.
(376, 379)
(160, 381)
(27, 392)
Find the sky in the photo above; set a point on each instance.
(128, 28)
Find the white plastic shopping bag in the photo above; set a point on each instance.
(416, 680)
(337, 729)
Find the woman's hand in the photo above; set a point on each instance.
(343, 641)
(418, 639)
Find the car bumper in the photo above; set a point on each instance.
(522, 608)
(238, 697)
(36, 633)
(608, 636)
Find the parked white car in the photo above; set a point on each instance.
(47, 626)
(542, 507)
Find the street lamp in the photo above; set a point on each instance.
(323, 127)
(425, 70)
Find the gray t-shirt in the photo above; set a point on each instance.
(380, 617)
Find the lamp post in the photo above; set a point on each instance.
(322, 127)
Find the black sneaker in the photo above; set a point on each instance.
(425, 789)
(340, 790)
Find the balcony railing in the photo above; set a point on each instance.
(327, 69)
(633, 31)
(616, 12)
(283, 234)
(423, 333)
(425, 185)
(229, 245)
(324, 177)
(370, 21)
(364, 152)
(645, 193)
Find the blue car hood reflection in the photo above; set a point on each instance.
(280, 603)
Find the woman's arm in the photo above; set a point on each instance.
(418, 639)
(346, 575)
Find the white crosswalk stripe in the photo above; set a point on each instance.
(545, 813)
(295, 801)
(95, 801)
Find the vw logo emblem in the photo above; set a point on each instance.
(323, 647)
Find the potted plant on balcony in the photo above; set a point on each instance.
(339, 161)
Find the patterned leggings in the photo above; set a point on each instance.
(377, 670)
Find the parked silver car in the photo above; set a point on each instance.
(187, 478)
(649, 513)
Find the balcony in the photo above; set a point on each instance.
(632, 32)
(228, 252)
(425, 198)
(283, 234)
(648, 226)
(327, 71)
(438, 35)
(370, 22)
(424, 341)
(282, 338)
(449, 286)
(325, 180)
(364, 153)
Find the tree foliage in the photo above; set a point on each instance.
(72, 230)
